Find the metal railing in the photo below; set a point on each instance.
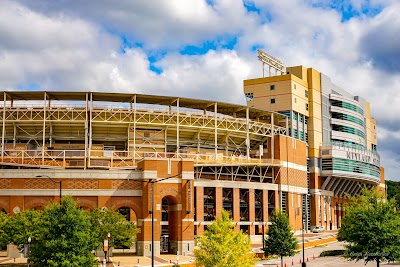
(114, 159)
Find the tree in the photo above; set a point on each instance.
(24, 225)
(122, 232)
(66, 238)
(4, 233)
(371, 228)
(220, 246)
(280, 239)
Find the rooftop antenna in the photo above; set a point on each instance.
(272, 63)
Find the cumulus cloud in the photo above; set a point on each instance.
(106, 46)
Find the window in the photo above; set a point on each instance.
(272, 87)
(272, 100)
(249, 96)
(306, 106)
(295, 100)
(306, 93)
(294, 86)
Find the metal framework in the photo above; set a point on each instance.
(271, 62)
(106, 131)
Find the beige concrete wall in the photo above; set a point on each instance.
(315, 118)
(289, 93)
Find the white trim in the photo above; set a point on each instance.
(321, 192)
(146, 174)
(74, 192)
(294, 166)
(234, 184)
(294, 189)
(188, 175)
(187, 220)
(71, 174)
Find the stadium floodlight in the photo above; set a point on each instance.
(271, 62)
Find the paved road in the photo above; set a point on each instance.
(321, 262)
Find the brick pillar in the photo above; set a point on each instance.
(218, 202)
(251, 211)
(277, 203)
(265, 209)
(199, 209)
(236, 208)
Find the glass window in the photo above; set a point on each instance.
(249, 96)
(272, 100)
(272, 87)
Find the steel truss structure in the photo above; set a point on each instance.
(110, 131)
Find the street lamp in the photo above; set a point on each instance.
(153, 181)
(55, 182)
(303, 264)
(29, 247)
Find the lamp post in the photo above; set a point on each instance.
(55, 182)
(29, 248)
(153, 181)
(303, 264)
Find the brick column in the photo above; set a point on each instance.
(199, 209)
(252, 211)
(236, 208)
(218, 202)
(265, 208)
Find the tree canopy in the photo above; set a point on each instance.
(220, 246)
(64, 235)
(371, 228)
(280, 239)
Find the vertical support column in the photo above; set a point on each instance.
(252, 211)
(90, 127)
(226, 145)
(278, 203)
(44, 126)
(86, 130)
(247, 133)
(265, 205)
(272, 148)
(218, 202)
(14, 135)
(177, 127)
(4, 125)
(198, 142)
(236, 208)
(134, 128)
(199, 210)
(215, 132)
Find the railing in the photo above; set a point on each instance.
(350, 147)
(105, 159)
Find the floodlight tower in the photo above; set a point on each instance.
(271, 62)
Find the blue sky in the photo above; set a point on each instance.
(205, 49)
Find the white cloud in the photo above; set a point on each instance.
(64, 45)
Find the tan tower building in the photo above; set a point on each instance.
(339, 131)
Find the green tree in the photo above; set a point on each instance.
(371, 228)
(220, 246)
(4, 229)
(280, 239)
(24, 225)
(66, 237)
(105, 222)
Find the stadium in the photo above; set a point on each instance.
(109, 149)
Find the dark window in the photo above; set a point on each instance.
(272, 100)
(272, 87)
